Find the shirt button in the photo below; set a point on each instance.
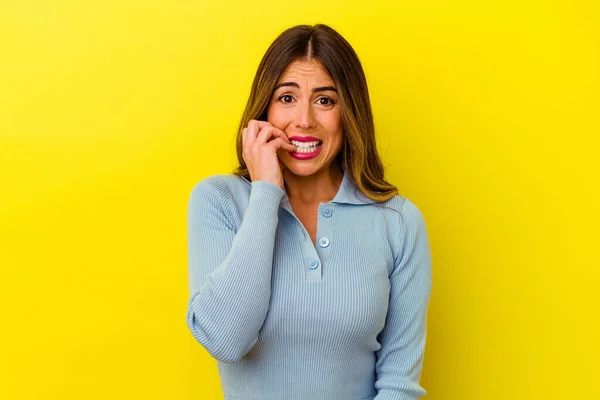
(327, 211)
(323, 242)
(313, 265)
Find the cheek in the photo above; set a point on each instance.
(334, 127)
(278, 117)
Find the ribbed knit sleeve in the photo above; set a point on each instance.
(400, 359)
(230, 272)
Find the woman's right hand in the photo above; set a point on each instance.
(260, 152)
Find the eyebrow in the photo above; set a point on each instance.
(317, 89)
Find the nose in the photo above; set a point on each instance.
(304, 116)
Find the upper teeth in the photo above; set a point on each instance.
(304, 144)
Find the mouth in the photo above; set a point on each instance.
(307, 147)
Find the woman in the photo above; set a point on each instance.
(309, 274)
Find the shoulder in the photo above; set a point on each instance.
(413, 234)
(211, 189)
(219, 182)
(210, 185)
(411, 211)
(405, 208)
(223, 188)
(407, 221)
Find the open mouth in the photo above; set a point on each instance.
(306, 147)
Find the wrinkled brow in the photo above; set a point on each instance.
(317, 89)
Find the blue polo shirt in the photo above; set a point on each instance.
(286, 319)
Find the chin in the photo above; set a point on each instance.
(301, 170)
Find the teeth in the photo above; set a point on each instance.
(305, 147)
(305, 144)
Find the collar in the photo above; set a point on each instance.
(347, 193)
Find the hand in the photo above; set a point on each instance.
(261, 141)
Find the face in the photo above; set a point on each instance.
(306, 104)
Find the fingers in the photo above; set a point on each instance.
(254, 126)
(280, 134)
(251, 131)
(262, 143)
(244, 137)
(280, 143)
(266, 133)
(275, 137)
(260, 132)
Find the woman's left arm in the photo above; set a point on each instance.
(400, 358)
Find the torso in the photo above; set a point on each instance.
(308, 215)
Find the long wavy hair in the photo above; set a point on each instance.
(359, 155)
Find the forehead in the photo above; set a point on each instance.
(306, 69)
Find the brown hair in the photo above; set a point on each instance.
(359, 155)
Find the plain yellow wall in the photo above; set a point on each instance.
(486, 116)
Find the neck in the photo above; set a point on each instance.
(322, 186)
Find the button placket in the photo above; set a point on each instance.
(314, 270)
(324, 242)
(311, 258)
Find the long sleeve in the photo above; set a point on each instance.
(229, 272)
(400, 358)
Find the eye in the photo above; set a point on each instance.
(281, 97)
(331, 102)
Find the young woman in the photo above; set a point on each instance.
(309, 275)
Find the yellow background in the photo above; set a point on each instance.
(487, 118)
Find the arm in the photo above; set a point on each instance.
(230, 273)
(400, 358)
